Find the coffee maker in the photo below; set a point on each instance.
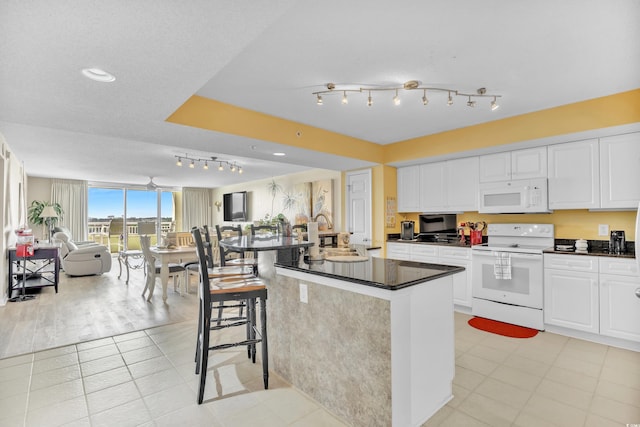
(617, 243)
(406, 230)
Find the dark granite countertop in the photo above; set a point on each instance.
(377, 272)
(594, 248)
(590, 252)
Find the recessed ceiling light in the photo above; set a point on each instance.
(98, 75)
(279, 154)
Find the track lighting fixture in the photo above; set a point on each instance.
(233, 166)
(411, 85)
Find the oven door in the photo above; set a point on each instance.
(523, 288)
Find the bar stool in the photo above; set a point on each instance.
(224, 253)
(217, 292)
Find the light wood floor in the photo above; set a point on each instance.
(87, 308)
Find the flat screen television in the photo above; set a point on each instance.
(235, 206)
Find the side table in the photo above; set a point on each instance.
(42, 269)
(125, 257)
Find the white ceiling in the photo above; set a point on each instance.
(269, 57)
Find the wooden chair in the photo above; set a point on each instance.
(226, 255)
(216, 291)
(153, 268)
(264, 229)
(116, 229)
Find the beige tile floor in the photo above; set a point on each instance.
(146, 378)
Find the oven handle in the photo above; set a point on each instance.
(513, 254)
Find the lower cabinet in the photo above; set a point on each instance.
(435, 254)
(593, 294)
(619, 299)
(571, 292)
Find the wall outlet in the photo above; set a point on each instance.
(603, 230)
(304, 295)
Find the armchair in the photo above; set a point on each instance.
(67, 232)
(82, 260)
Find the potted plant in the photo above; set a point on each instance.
(35, 210)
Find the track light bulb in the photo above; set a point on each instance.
(450, 100)
(192, 164)
(206, 166)
(220, 168)
(396, 99)
(494, 104)
(232, 168)
(369, 100)
(179, 162)
(471, 103)
(425, 101)
(319, 100)
(239, 170)
(345, 101)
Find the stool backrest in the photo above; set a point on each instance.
(266, 229)
(205, 291)
(235, 232)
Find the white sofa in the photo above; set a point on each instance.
(82, 260)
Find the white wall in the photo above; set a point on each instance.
(259, 197)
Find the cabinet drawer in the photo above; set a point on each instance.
(399, 248)
(571, 262)
(424, 250)
(624, 267)
(456, 253)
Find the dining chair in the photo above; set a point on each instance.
(153, 268)
(191, 266)
(218, 290)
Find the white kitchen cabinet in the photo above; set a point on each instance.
(574, 175)
(571, 292)
(517, 164)
(408, 179)
(620, 171)
(460, 257)
(619, 300)
(424, 253)
(399, 251)
(449, 186)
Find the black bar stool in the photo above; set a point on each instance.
(218, 291)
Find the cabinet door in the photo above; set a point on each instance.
(620, 171)
(571, 299)
(432, 187)
(495, 167)
(408, 189)
(424, 253)
(529, 163)
(620, 306)
(462, 185)
(574, 175)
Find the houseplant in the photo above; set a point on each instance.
(35, 210)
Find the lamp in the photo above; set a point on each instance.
(411, 85)
(48, 212)
(233, 166)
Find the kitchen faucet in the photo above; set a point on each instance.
(329, 224)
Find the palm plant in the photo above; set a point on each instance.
(35, 210)
(274, 188)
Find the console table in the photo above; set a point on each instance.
(41, 269)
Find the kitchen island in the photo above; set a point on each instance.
(370, 340)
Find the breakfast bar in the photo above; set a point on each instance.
(372, 340)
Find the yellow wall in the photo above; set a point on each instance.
(569, 224)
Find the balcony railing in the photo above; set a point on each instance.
(99, 233)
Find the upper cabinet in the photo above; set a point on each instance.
(510, 165)
(408, 189)
(574, 175)
(449, 186)
(620, 171)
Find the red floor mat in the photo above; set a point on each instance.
(500, 328)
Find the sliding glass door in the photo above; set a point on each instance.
(114, 215)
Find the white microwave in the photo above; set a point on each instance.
(518, 196)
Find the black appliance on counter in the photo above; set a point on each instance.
(438, 228)
(617, 242)
(407, 230)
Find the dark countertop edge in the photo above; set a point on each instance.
(453, 270)
(589, 253)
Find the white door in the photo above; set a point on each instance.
(359, 206)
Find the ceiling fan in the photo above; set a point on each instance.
(151, 185)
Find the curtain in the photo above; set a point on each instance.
(73, 196)
(195, 207)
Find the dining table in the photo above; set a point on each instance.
(166, 255)
(285, 248)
